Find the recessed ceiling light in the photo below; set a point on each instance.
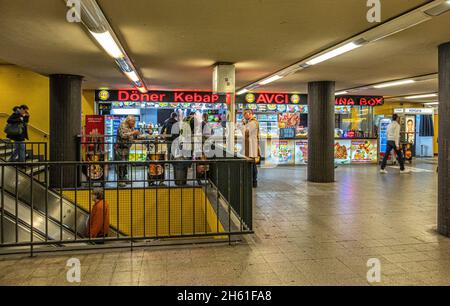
(395, 83)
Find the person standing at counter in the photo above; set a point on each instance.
(168, 132)
(250, 132)
(206, 127)
(125, 136)
(393, 143)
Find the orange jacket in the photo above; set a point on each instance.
(98, 225)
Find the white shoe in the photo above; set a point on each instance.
(383, 171)
(406, 171)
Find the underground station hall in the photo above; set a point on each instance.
(216, 144)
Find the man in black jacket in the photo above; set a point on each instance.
(20, 117)
(167, 130)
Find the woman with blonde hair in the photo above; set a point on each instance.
(126, 133)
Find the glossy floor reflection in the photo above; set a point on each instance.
(306, 234)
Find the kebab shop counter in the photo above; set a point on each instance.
(283, 120)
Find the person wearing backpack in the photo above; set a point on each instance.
(17, 131)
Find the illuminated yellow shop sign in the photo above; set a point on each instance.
(250, 98)
(103, 95)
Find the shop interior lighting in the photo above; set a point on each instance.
(432, 103)
(422, 96)
(394, 83)
(340, 93)
(406, 21)
(98, 27)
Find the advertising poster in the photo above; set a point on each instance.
(301, 152)
(364, 151)
(408, 149)
(410, 129)
(342, 152)
(94, 147)
(288, 120)
(281, 152)
(384, 123)
(138, 153)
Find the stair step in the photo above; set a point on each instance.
(36, 170)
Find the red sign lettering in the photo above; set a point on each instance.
(123, 95)
(345, 101)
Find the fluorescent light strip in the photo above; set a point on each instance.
(333, 53)
(340, 93)
(399, 24)
(395, 83)
(108, 44)
(421, 96)
(242, 91)
(132, 76)
(270, 80)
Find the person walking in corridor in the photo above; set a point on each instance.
(393, 143)
(17, 131)
(126, 133)
(250, 132)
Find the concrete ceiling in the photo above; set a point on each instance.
(175, 43)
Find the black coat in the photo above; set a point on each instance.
(167, 127)
(17, 118)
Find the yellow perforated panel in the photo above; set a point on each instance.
(157, 212)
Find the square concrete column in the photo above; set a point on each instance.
(65, 126)
(444, 141)
(321, 122)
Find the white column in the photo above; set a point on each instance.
(224, 82)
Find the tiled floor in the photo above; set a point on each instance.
(306, 234)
